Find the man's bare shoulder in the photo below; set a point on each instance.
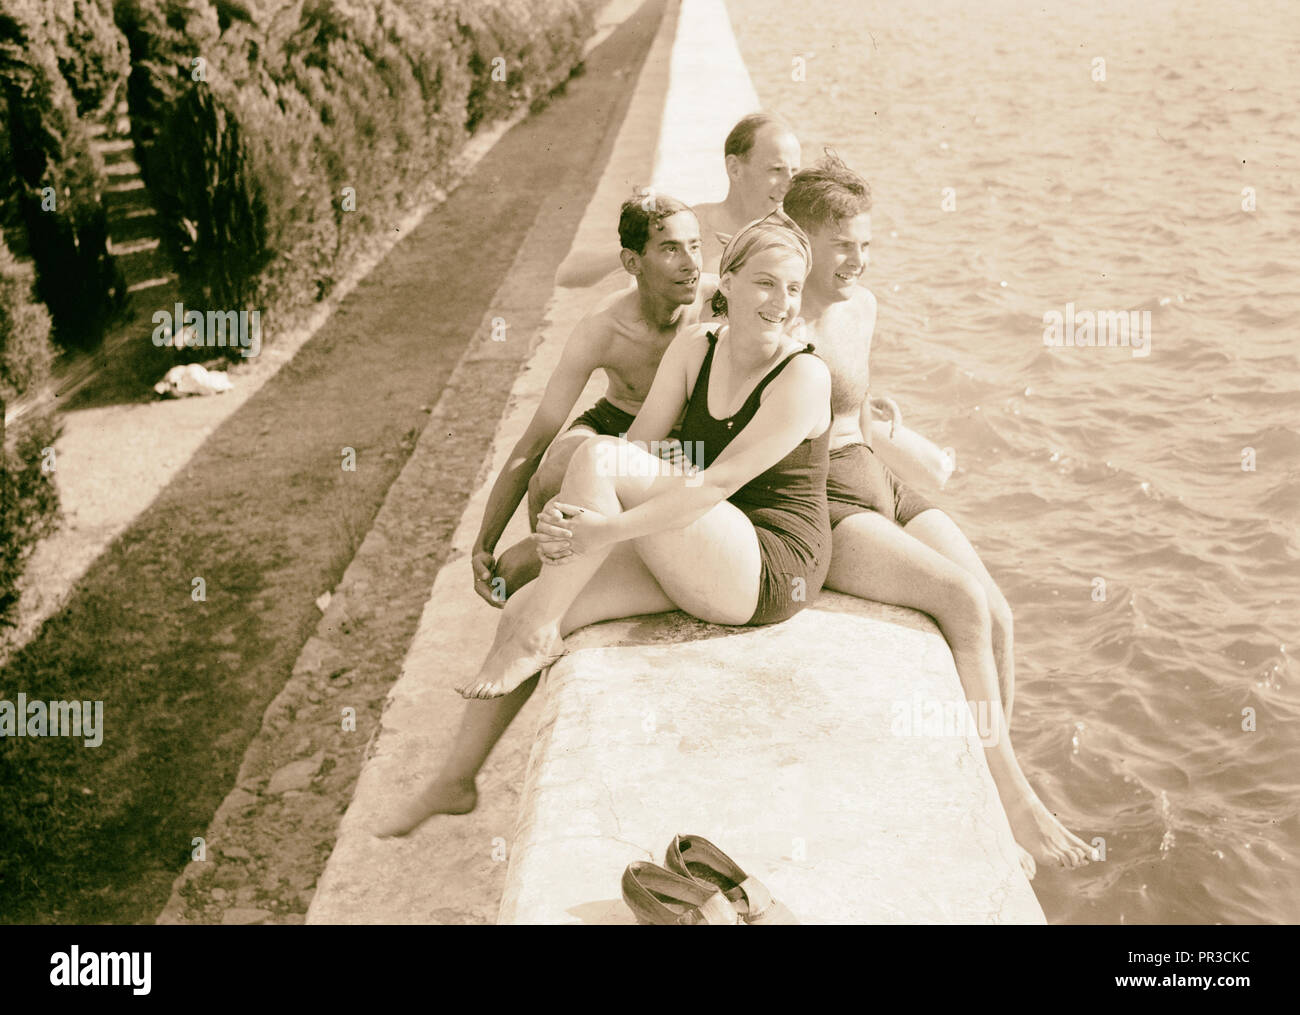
(619, 305)
(856, 313)
(861, 305)
(613, 314)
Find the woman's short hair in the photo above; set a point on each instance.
(741, 139)
(640, 214)
(826, 192)
(775, 229)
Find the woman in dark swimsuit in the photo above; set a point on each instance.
(739, 542)
(743, 540)
(786, 504)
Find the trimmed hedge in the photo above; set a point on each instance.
(247, 167)
(29, 507)
(91, 53)
(49, 153)
(29, 500)
(25, 349)
(11, 190)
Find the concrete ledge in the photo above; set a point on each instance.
(774, 742)
(427, 876)
(709, 89)
(777, 744)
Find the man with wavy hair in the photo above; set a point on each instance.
(889, 544)
(625, 335)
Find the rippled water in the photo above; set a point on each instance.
(1084, 463)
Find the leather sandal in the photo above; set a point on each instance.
(695, 857)
(658, 896)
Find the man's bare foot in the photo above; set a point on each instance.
(513, 661)
(1026, 862)
(438, 797)
(1038, 832)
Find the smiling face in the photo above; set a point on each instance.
(670, 266)
(762, 177)
(764, 293)
(841, 253)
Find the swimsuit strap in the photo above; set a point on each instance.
(702, 378)
(750, 405)
(771, 375)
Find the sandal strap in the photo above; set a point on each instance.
(756, 894)
(715, 910)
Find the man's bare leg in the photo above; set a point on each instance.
(622, 587)
(939, 532)
(453, 790)
(873, 558)
(723, 541)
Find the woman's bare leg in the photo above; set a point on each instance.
(873, 558)
(707, 561)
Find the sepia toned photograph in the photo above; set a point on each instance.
(663, 462)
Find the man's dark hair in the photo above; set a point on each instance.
(641, 214)
(741, 139)
(825, 193)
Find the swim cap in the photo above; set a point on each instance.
(776, 229)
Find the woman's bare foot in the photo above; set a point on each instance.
(441, 796)
(513, 661)
(1038, 832)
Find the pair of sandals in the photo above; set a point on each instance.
(699, 885)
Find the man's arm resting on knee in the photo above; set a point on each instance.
(912, 458)
(571, 375)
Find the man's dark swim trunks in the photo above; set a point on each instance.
(606, 419)
(859, 481)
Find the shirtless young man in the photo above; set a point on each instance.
(626, 336)
(889, 544)
(762, 156)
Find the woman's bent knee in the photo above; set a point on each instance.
(598, 455)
